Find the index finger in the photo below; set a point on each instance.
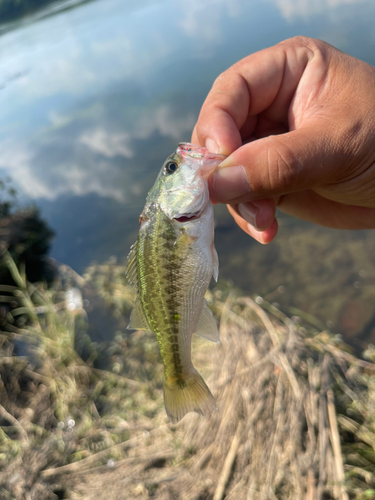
(262, 83)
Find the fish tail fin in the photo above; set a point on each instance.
(188, 394)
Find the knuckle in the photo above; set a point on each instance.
(300, 40)
(303, 41)
(219, 79)
(314, 46)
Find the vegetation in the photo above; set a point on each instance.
(296, 408)
(56, 408)
(11, 10)
(26, 236)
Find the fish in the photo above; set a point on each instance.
(170, 266)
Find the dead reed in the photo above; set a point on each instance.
(296, 417)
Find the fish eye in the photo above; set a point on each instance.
(170, 167)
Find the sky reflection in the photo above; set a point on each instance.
(81, 88)
(93, 99)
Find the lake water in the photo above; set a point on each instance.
(94, 97)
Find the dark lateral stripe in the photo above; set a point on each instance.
(160, 288)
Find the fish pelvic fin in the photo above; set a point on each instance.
(188, 394)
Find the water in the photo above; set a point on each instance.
(95, 96)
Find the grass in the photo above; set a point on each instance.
(296, 416)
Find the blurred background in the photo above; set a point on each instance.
(94, 95)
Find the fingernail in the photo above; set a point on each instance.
(249, 212)
(259, 234)
(229, 183)
(212, 146)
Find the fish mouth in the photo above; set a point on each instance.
(188, 217)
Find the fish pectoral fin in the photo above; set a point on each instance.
(138, 320)
(215, 262)
(131, 269)
(207, 326)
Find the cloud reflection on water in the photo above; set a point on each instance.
(294, 9)
(95, 161)
(107, 144)
(204, 19)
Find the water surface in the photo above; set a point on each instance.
(93, 98)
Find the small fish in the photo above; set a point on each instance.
(171, 265)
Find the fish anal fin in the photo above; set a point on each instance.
(215, 263)
(190, 394)
(207, 326)
(138, 320)
(131, 269)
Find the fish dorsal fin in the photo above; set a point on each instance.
(207, 326)
(131, 269)
(138, 320)
(215, 262)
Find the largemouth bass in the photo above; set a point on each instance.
(171, 265)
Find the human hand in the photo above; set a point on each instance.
(297, 121)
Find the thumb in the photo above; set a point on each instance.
(276, 165)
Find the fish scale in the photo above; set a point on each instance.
(170, 267)
(166, 281)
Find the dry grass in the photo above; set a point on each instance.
(295, 421)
